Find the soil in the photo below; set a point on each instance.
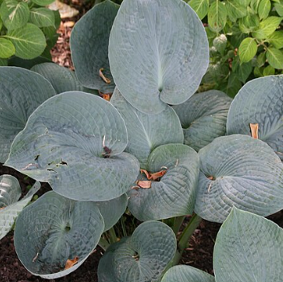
(200, 249)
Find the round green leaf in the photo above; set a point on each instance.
(42, 17)
(263, 105)
(235, 10)
(42, 2)
(89, 45)
(141, 257)
(217, 16)
(279, 8)
(247, 49)
(276, 39)
(158, 53)
(10, 207)
(53, 230)
(147, 132)
(240, 171)
(61, 78)
(112, 210)
(174, 194)
(14, 14)
(7, 49)
(249, 248)
(185, 273)
(269, 70)
(75, 141)
(275, 58)
(200, 7)
(21, 92)
(29, 41)
(203, 117)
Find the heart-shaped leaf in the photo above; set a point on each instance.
(62, 79)
(185, 273)
(263, 105)
(10, 207)
(146, 132)
(54, 230)
(89, 45)
(112, 210)
(240, 171)
(175, 193)
(158, 53)
(141, 257)
(249, 248)
(21, 92)
(203, 117)
(75, 141)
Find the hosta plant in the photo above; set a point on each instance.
(27, 30)
(157, 150)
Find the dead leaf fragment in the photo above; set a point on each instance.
(254, 130)
(154, 176)
(105, 79)
(144, 184)
(71, 262)
(105, 96)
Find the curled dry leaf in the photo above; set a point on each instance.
(104, 78)
(254, 130)
(71, 262)
(153, 176)
(142, 184)
(105, 96)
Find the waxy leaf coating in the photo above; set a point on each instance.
(186, 273)
(240, 171)
(21, 92)
(146, 132)
(61, 78)
(175, 193)
(141, 257)
(10, 207)
(203, 117)
(89, 45)
(248, 248)
(158, 53)
(259, 102)
(75, 141)
(55, 229)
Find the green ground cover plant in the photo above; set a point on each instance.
(245, 38)
(27, 30)
(157, 150)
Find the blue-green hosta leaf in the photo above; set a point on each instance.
(14, 14)
(21, 92)
(89, 45)
(158, 53)
(141, 257)
(249, 248)
(62, 79)
(175, 193)
(55, 229)
(203, 117)
(75, 141)
(240, 171)
(259, 102)
(112, 210)
(146, 132)
(10, 207)
(185, 273)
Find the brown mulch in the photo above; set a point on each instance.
(198, 254)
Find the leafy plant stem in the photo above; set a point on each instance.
(186, 234)
(177, 223)
(112, 235)
(103, 243)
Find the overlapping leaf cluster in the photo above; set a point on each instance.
(156, 149)
(246, 40)
(27, 29)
